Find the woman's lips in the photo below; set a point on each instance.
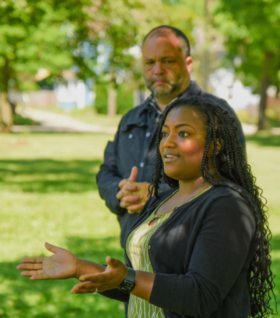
(169, 158)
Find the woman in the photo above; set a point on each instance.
(199, 250)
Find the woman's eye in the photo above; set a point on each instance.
(183, 134)
(163, 134)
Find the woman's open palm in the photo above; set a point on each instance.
(61, 265)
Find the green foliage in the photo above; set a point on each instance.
(19, 120)
(250, 29)
(36, 34)
(101, 98)
(28, 86)
(124, 99)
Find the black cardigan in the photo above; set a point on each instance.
(200, 256)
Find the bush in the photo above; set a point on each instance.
(22, 121)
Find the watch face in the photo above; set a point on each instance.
(126, 286)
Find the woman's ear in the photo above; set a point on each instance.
(220, 145)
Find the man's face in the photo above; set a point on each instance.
(165, 67)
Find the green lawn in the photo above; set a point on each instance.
(48, 193)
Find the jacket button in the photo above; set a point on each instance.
(142, 164)
(130, 136)
(148, 134)
(149, 247)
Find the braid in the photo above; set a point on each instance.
(232, 171)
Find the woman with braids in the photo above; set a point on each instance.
(199, 250)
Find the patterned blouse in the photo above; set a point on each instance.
(137, 247)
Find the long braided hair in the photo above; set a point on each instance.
(231, 170)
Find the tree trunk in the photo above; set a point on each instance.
(205, 55)
(6, 114)
(112, 101)
(262, 123)
(265, 81)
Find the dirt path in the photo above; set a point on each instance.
(51, 122)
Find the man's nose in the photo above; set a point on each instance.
(158, 69)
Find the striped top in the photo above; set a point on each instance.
(137, 247)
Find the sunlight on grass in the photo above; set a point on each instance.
(48, 192)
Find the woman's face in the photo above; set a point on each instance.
(183, 143)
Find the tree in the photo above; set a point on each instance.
(36, 34)
(250, 29)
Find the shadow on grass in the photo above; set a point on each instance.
(47, 176)
(264, 140)
(44, 299)
(52, 298)
(275, 244)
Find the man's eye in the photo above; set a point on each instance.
(149, 62)
(168, 62)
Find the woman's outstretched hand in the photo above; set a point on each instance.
(111, 278)
(61, 265)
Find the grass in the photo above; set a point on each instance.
(48, 192)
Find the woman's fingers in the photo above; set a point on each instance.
(33, 259)
(89, 287)
(111, 278)
(42, 276)
(96, 278)
(32, 273)
(35, 275)
(83, 288)
(135, 208)
(52, 248)
(30, 266)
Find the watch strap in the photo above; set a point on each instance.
(129, 282)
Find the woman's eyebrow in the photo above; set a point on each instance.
(179, 125)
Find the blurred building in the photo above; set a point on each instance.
(233, 91)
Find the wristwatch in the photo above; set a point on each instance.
(129, 282)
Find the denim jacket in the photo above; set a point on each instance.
(134, 145)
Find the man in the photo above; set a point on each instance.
(129, 161)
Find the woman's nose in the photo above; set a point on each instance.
(169, 141)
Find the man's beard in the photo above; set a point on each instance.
(162, 91)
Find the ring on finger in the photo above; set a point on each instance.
(96, 291)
